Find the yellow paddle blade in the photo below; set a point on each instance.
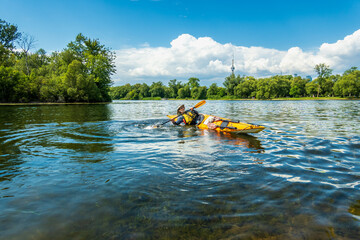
(199, 104)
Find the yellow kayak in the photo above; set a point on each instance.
(224, 124)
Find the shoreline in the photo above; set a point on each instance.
(248, 99)
(171, 99)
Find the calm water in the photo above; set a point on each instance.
(100, 172)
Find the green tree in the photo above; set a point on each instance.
(26, 43)
(81, 72)
(312, 88)
(348, 85)
(174, 86)
(10, 80)
(350, 70)
(144, 91)
(39, 60)
(327, 88)
(262, 89)
(282, 86)
(8, 36)
(323, 72)
(231, 83)
(120, 92)
(98, 60)
(198, 93)
(272, 87)
(334, 78)
(169, 93)
(193, 82)
(221, 92)
(184, 92)
(157, 89)
(71, 78)
(247, 88)
(212, 92)
(133, 95)
(298, 87)
(136, 92)
(51, 89)
(79, 86)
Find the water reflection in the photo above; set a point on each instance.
(19, 116)
(98, 172)
(31, 134)
(245, 140)
(10, 160)
(186, 131)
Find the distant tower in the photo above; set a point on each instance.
(233, 67)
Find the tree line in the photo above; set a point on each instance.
(246, 87)
(80, 73)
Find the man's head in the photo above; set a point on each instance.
(181, 109)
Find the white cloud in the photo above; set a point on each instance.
(205, 58)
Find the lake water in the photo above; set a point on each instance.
(102, 172)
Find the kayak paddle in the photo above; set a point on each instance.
(199, 104)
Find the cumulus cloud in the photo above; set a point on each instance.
(205, 58)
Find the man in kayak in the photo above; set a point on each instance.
(189, 117)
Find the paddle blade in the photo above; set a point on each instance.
(199, 104)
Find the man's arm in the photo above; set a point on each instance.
(179, 120)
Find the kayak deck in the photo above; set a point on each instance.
(224, 124)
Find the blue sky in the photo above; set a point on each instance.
(143, 27)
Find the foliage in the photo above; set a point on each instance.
(97, 60)
(80, 73)
(174, 87)
(298, 87)
(8, 34)
(193, 82)
(248, 87)
(348, 85)
(215, 92)
(324, 73)
(11, 81)
(231, 82)
(157, 89)
(198, 93)
(184, 92)
(311, 88)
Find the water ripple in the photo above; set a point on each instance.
(104, 172)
